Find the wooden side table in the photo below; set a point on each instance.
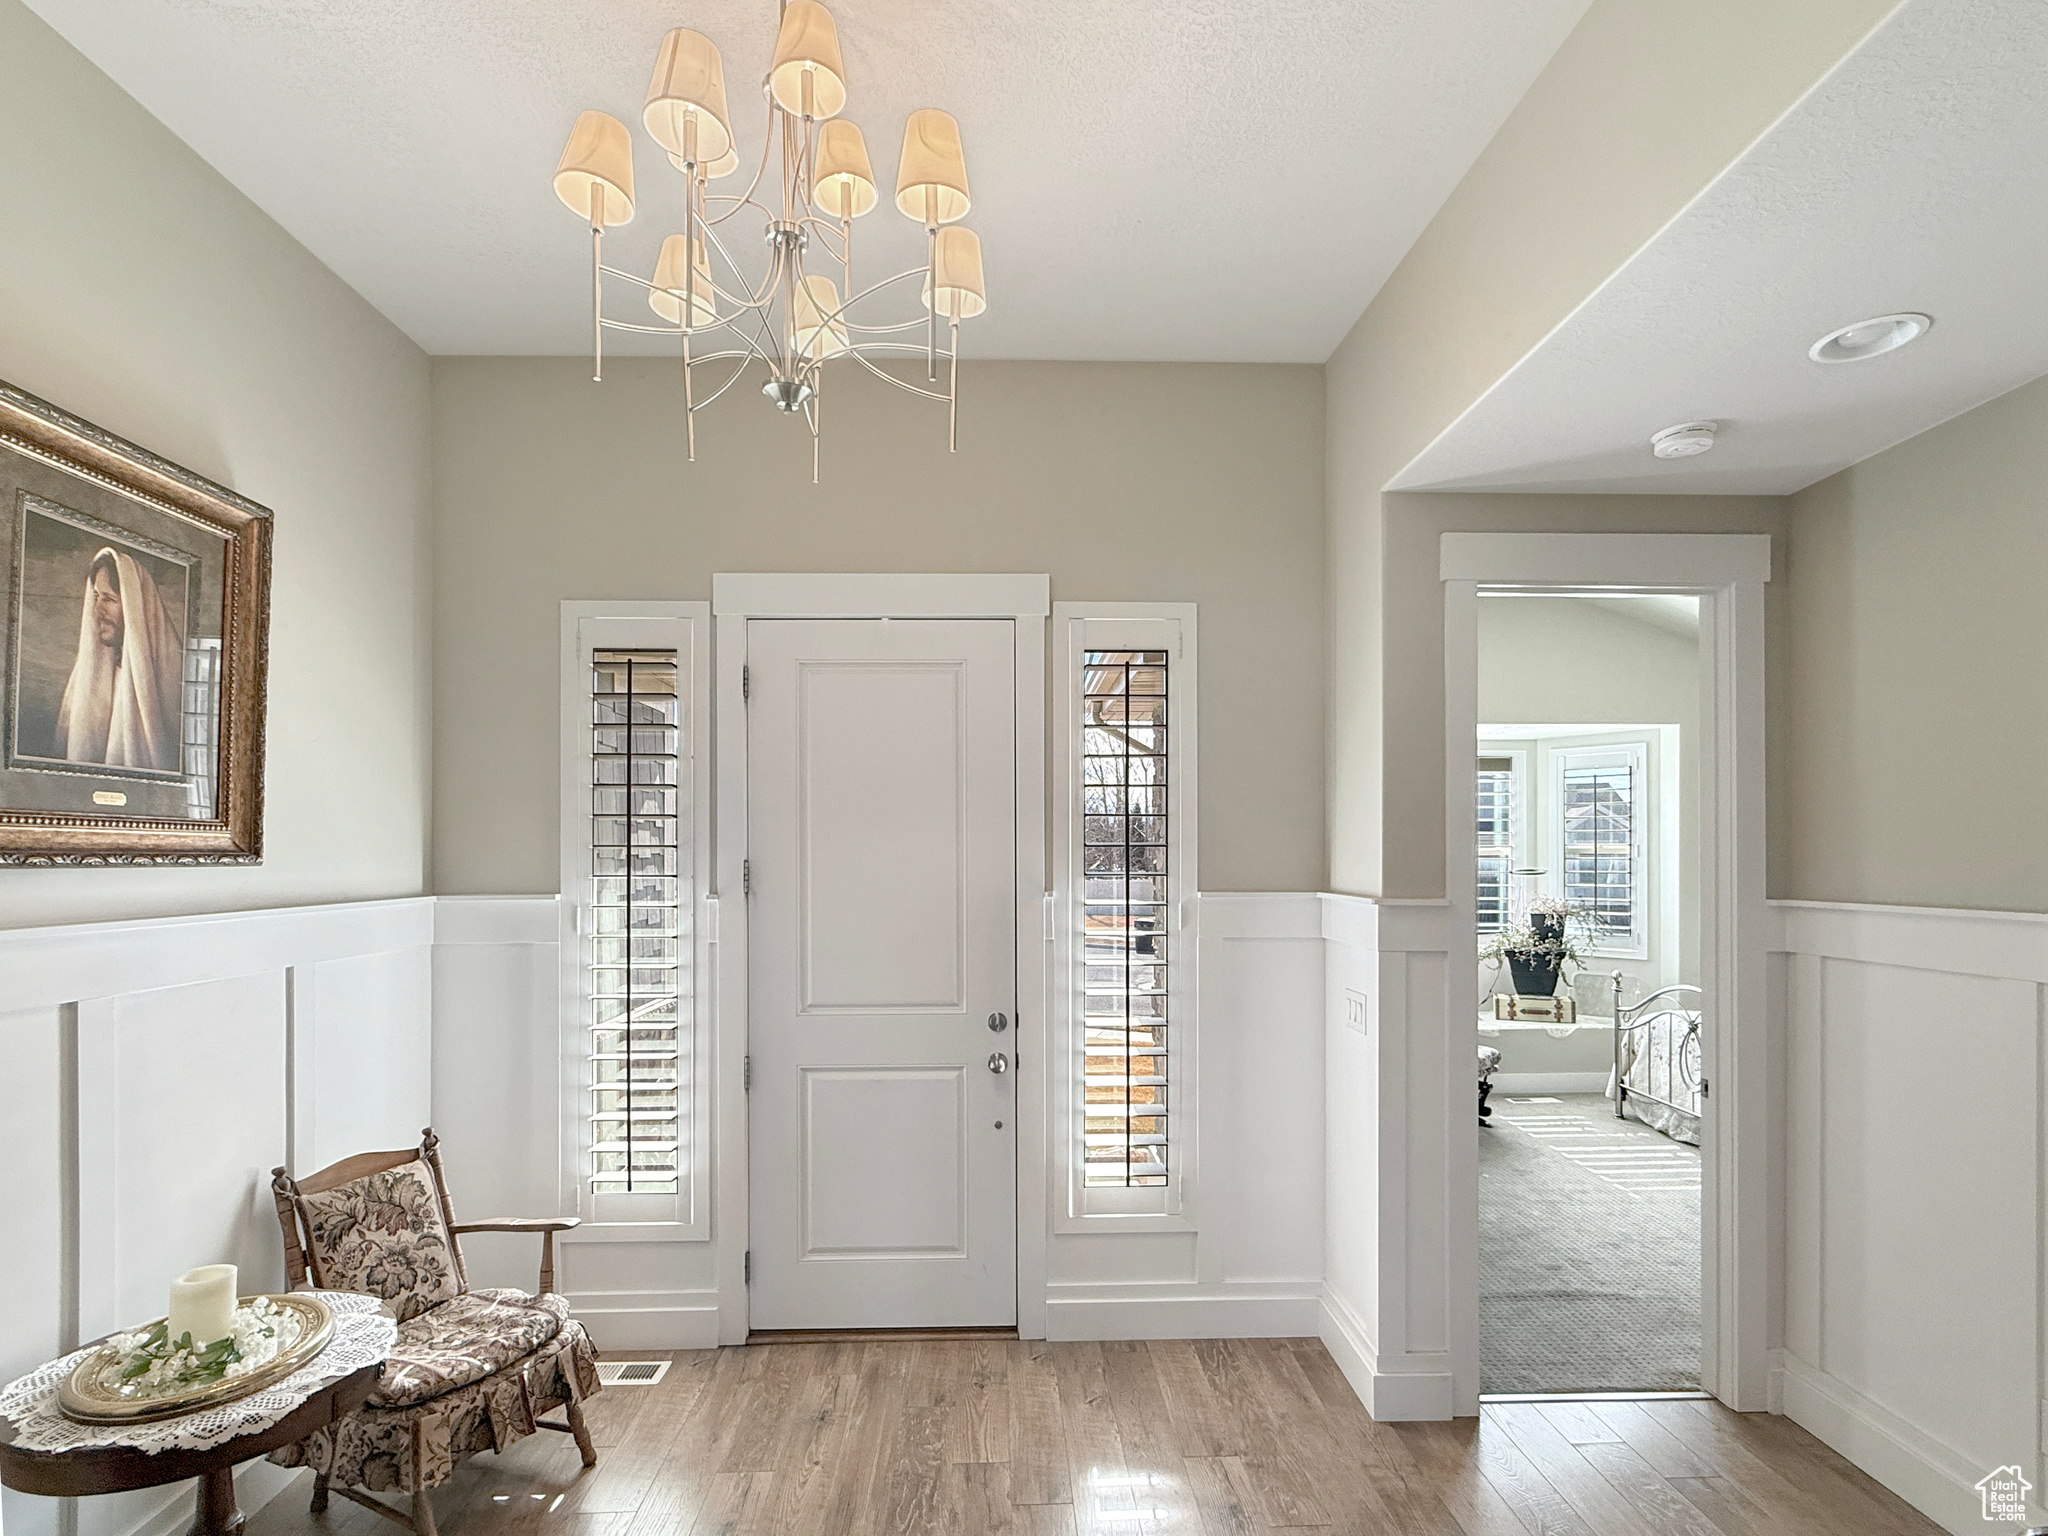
(116, 1469)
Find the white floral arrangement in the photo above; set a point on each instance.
(152, 1364)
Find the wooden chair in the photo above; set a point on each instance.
(471, 1370)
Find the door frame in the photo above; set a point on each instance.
(1726, 572)
(1026, 600)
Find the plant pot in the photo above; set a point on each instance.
(1535, 975)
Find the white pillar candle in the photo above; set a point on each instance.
(203, 1304)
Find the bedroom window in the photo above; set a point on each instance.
(634, 845)
(1600, 841)
(1126, 869)
(1495, 799)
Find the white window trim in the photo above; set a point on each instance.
(1522, 806)
(684, 628)
(1169, 627)
(1645, 814)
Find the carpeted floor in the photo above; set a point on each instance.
(1589, 1251)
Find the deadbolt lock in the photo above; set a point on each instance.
(999, 1022)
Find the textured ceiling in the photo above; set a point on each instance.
(1218, 179)
(1915, 177)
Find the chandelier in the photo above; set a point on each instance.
(796, 317)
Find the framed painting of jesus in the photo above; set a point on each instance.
(138, 611)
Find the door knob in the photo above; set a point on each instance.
(999, 1022)
(998, 1063)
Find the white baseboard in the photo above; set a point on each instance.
(1549, 1082)
(623, 1320)
(1930, 1476)
(1083, 1312)
(1390, 1396)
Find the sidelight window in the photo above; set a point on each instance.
(1125, 879)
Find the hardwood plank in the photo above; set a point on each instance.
(1579, 1424)
(739, 1505)
(1662, 1508)
(1605, 1511)
(1542, 1508)
(977, 1499)
(1445, 1457)
(1720, 1438)
(1038, 1438)
(1650, 1440)
(1731, 1510)
(1095, 1450)
(1203, 1426)
(1151, 1458)
(918, 1470)
(1222, 1496)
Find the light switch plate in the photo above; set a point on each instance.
(1357, 1010)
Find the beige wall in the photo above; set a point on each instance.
(1644, 104)
(1147, 482)
(141, 291)
(1919, 714)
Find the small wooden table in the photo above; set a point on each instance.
(118, 1468)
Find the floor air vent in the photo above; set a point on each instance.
(631, 1373)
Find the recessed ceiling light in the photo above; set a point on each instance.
(1684, 441)
(1869, 338)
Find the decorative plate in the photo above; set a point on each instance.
(94, 1393)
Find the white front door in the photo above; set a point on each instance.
(881, 826)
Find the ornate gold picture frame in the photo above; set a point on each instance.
(135, 652)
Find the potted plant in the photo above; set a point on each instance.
(1537, 949)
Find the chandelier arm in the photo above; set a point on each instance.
(760, 170)
(745, 363)
(929, 394)
(766, 294)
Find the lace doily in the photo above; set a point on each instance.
(363, 1335)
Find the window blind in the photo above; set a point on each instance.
(637, 945)
(1600, 871)
(1496, 841)
(1124, 905)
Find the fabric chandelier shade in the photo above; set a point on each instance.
(956, 274)
(932, 161)
(666, 296)
(808, 44)
(595, 176)
(689, 82)
(845, 181)
(815, 336)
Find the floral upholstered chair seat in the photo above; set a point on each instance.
(465, 1339)
(471, 1370)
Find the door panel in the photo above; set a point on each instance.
(882, 763)
(881, 841)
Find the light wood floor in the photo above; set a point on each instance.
(1212, 1438)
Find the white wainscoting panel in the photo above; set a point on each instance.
(155, 1072)
(1391, 1194)
(499, 1065)
(1251, 1266)
(1914, 1137)
(1251, 1263)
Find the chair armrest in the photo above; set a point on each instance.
(546, 1226)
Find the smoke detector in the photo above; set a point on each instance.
(1869, 338)
(1684, 441)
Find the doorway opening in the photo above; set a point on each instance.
(1586, 926)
